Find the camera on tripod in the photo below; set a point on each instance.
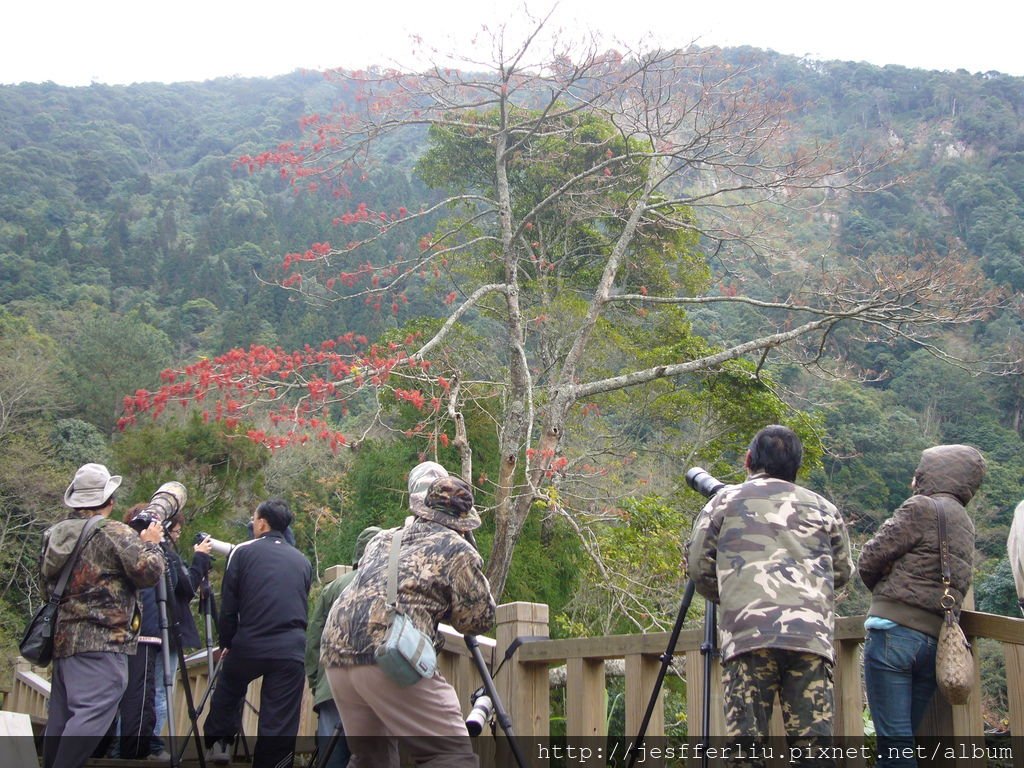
(220, 547)
(480, 715)
(703, 482)
(164, 506)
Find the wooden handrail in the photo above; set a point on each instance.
(524, 687)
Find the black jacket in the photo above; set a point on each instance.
(185, 582)
(264, 599)
(150, 627)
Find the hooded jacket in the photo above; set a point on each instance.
(901, 565)
(99, 610)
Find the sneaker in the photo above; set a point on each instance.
(163, 756)
(219, 753)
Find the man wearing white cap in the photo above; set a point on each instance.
(99, 619)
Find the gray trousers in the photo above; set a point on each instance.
(85, 690)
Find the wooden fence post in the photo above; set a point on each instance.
(523, 688)
(585, 695)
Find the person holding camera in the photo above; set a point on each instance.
(137, 710)
(900, 565)
(772, 554)
(439, 578)
(99, 621)
(185, 582)
(262, 634)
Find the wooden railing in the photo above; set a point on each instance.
(30, 691)
(524, 687)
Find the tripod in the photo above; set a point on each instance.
(500, 713)
(208, 610)
(318, 760)
(165, 587)
(708, 649)
(705, 484)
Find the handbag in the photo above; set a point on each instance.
(36, 643)
(406, 655)
(954, 662)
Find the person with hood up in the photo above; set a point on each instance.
(440, 578)
(901, 567)
(328, 719)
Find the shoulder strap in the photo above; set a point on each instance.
(393, 556)
(947, 602)
(940, 514)
(65, 572)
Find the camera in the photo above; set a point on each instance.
(220, 547)
(480, 715)
(164, 506)
(703, 482)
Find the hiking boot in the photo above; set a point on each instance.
(219, 753)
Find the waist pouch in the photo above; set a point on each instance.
(406, 655)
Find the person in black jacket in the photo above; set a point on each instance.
(185, 582)
(262, 634)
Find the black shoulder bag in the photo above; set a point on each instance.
(37, 643)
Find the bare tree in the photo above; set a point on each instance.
(589, 196)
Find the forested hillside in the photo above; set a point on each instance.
(133, 240)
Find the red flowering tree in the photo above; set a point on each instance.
(584, 199)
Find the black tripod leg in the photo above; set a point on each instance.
(500, 713)
(666, 661)
(193, 714)
(206, 608)
(708, 649)
(194, 727)
(318, 760)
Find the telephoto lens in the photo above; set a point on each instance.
(220, 547)
(703, 482)
(480, 715)
(164, 506)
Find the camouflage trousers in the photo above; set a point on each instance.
(803, 683)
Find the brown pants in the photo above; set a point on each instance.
(376, 713)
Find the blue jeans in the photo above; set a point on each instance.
(157, 742)
(899, 674)
(327, 719)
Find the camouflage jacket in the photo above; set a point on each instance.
(99, 610)
(771, 554)
(900, 564)
(440, 578)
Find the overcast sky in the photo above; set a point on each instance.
(76, 42)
